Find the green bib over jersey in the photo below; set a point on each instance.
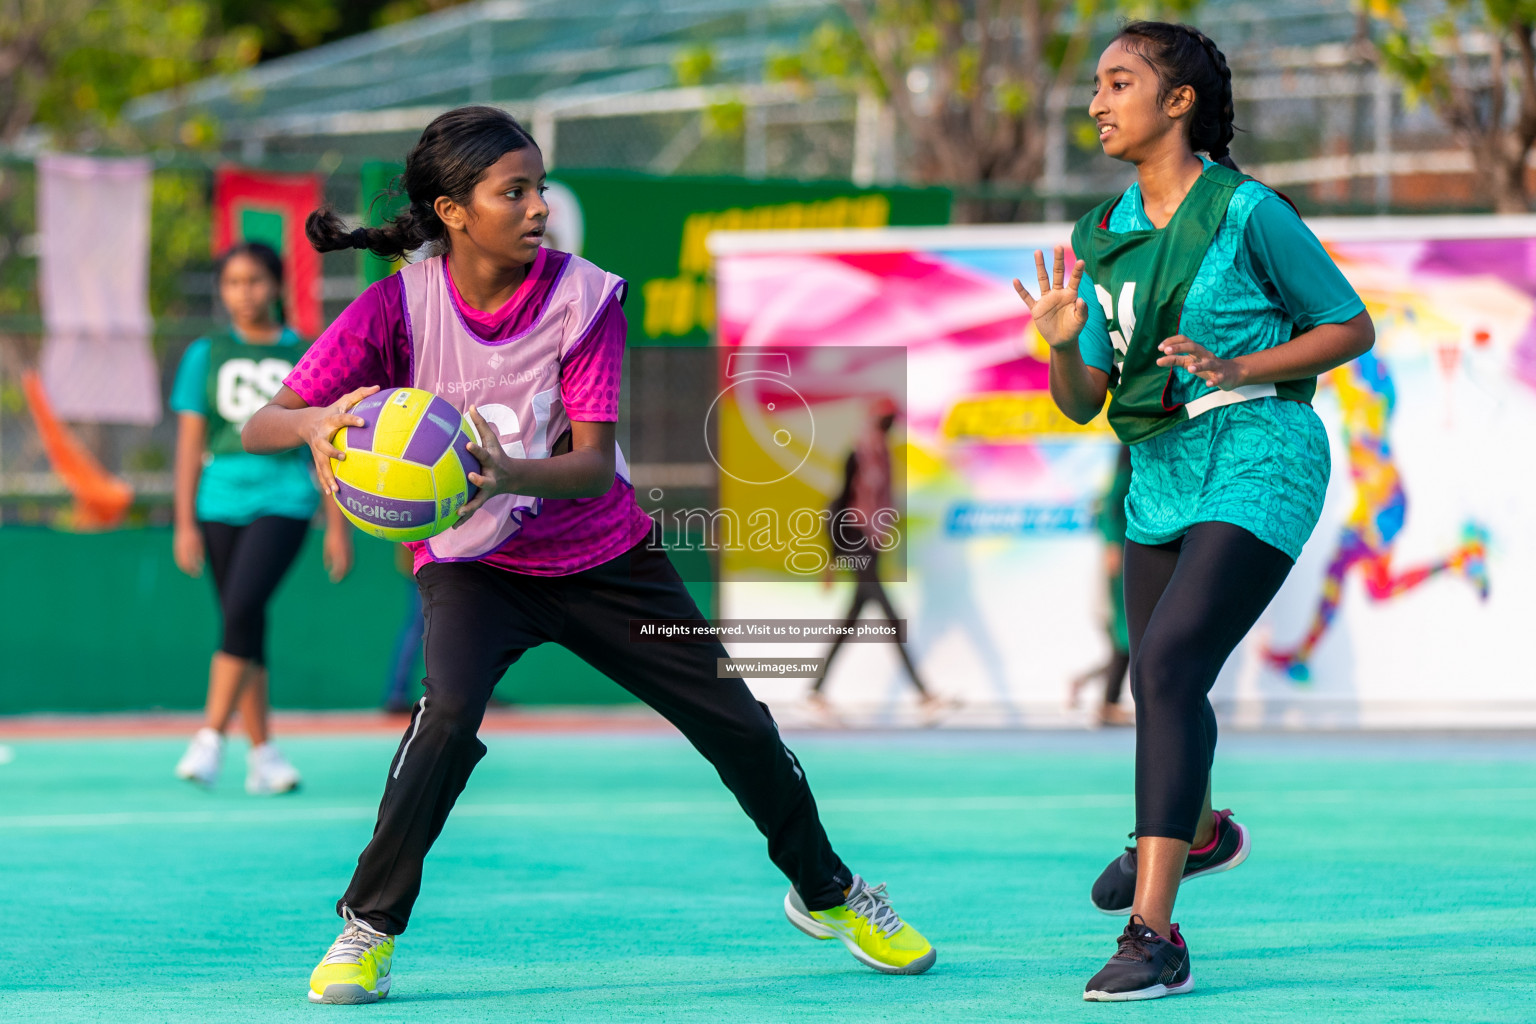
(1141, 279)
(241, 379)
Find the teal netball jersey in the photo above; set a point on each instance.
(237, 487)
(1262, 464)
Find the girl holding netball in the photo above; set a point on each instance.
(529, 342)
(1207, 309)
(245, 515)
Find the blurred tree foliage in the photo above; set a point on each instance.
(1476, 66)
(69, 67)
(287, 26)
(972, 82)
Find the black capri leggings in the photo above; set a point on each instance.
(248, 563)
(1188, 604)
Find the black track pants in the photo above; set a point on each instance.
(1188, 604)
(480, 619)
(248, 562)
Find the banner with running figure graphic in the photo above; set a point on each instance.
(1409, 603)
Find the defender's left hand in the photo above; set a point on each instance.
(497, 468)
(336, 552)
(1193, 357)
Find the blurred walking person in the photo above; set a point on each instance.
(862, 516)
(243, 515)
(1109, 518)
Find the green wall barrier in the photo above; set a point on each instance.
(106, 622)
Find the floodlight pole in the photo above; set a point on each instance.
(1381, 115)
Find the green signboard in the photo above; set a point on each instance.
(651, 231)
(264, 226)
(378, 177)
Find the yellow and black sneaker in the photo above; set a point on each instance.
(869, 926)
(1115, 889)
(356, 968)
(1146, 966)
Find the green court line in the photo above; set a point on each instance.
(611, 878)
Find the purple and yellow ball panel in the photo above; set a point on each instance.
(388, 518)
(388, 497)
(454, 490)
(397, 420)
(468, 461)
(434, 433)
(374, 473)
(361, 438)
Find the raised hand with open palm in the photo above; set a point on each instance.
(1059, 313)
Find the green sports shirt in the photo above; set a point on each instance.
(1262, 464)
(225, 379)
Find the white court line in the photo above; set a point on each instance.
(116, 819)
(881, 805)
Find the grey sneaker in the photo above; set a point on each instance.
(1115, 889)
(1146, 966)
(868, 926)
(356, 967)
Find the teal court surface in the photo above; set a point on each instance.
(609, 877)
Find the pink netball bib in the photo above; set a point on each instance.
(514, 381)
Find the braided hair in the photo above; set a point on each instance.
(449, 160)
(1183, 55)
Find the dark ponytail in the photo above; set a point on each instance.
(1183, 55)
(266, 257)
(449, 160)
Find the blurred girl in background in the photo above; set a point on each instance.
(245, 515)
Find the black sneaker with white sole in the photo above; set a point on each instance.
(1115, 890)
(1146, 966)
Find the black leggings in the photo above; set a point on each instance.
(1188, 604)
(480, 619)
(248, 562)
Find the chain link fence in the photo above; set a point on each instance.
(1319, 123)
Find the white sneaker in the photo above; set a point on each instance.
(268, 771)
(200, 763)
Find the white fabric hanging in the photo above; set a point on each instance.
(93, 278)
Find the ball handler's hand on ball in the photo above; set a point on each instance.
(1194, 358)
(496, 467)
(321, 433)
(1059, 313)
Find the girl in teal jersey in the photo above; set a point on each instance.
(246, 516)
(1206, 309)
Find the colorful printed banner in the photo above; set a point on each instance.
(1408, 606)
(258, 206)
(93, 281)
